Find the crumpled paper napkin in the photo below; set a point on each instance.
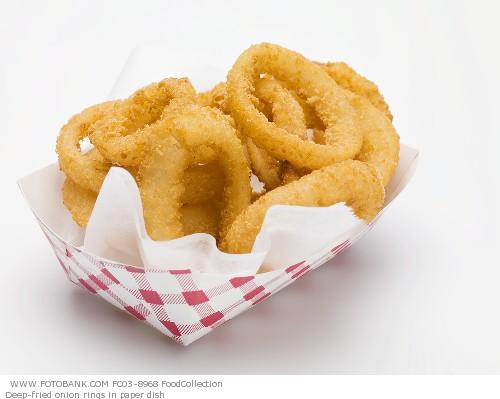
(288, 235)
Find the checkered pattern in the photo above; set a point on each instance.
(182, 304)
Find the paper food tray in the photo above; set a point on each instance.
(183, 304)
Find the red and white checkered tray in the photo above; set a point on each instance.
(182, 304)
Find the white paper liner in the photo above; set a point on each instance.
(116, 231)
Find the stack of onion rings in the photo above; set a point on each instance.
(314, 134)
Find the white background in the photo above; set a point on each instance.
(419, 294)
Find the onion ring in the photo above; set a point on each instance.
(87, 171)
(349, 79)
(265, 167)
(202, 183)
(280, 105)
(122, 134)
(353, 182)
(186, 125)
(310, 81)
(285, 110)
(78, 201)
(160, 182)
(268, 169)
(287, 114)
(380, 139)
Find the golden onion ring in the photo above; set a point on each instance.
(311, 82)
(121, 135)
(354, 182)
(186, 125)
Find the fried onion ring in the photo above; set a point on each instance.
(286, 111)
(78, 201)
(311, 82)
(353, 182)
(186, 125)
(349, 79)
(280, 105)
(160, 182)
(380, 139)
(86, 170)
(202, 183)
(265, 167)
(122, 134)
(287, 114)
